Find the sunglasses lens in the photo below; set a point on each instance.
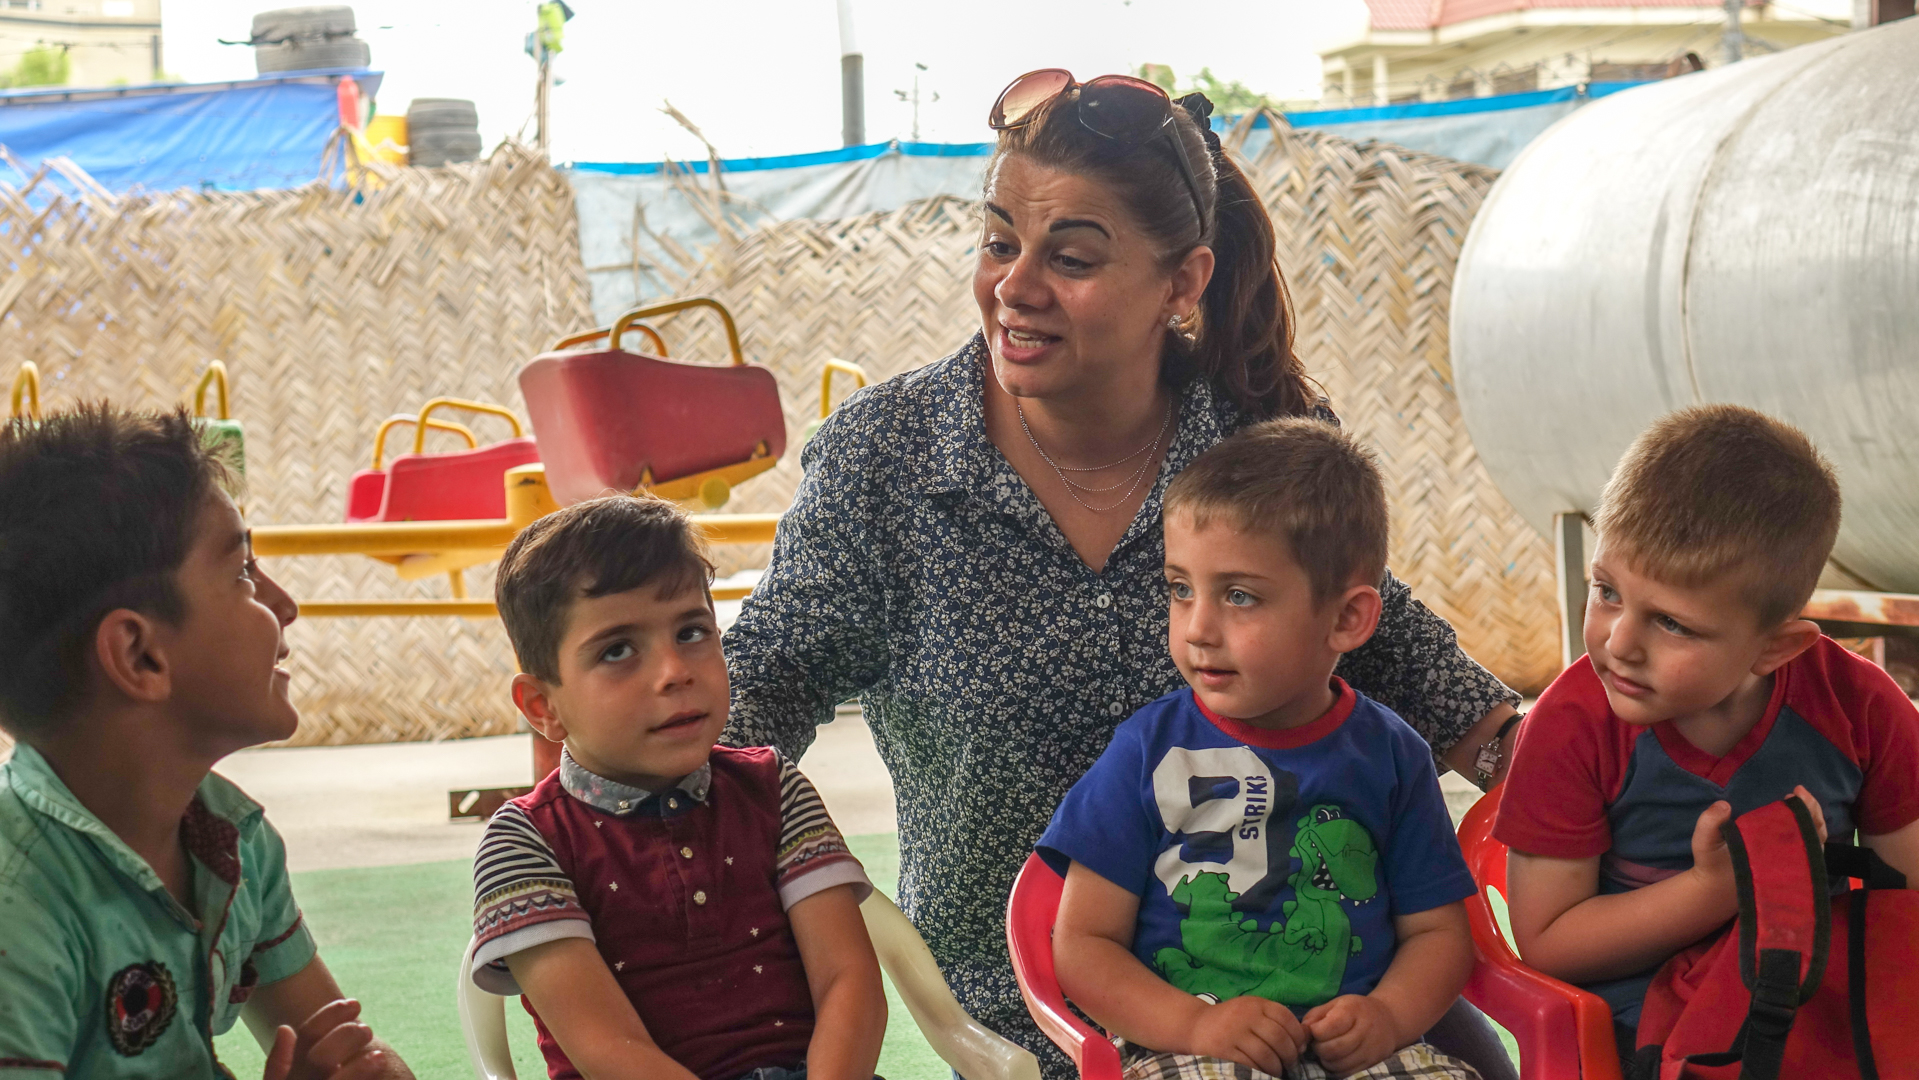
(1120, 107)
(1027, 93)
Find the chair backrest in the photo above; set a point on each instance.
(1030, 913)
(1564, 1033)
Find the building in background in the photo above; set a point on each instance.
(1440, 50)
(105, 42)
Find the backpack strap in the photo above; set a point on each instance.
(1785, 925)
(1866, 865)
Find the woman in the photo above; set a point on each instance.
(975, 549)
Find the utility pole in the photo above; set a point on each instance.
(1735, 36)
(852, 81)
(915, 99)
(542, 45)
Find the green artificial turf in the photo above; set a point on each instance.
(393, 937)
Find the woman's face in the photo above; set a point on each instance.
(1070, 289)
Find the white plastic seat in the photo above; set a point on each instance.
(973, 1051)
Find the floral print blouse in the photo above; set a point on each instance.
(918, 572)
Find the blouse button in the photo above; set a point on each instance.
(1103, 600)
(699, 897)
(686, 853)
(1115, 709)
(673, 804)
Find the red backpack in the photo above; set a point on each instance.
(1793, 988)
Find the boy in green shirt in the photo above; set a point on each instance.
(144, 903)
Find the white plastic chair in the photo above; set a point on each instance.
(973, 1051)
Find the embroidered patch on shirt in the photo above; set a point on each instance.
(141, 1002)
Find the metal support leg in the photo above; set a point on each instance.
(1569, 551)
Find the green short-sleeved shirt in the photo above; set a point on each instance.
(102, 973)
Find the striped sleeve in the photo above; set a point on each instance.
(812, 856)
(522, 898)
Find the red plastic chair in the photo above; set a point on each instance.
(1564, 1033)
(463, 485)
(613, 420)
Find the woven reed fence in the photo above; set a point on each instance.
(332, 310)
(1369, 235)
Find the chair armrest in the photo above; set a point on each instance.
(1563, 1032)
(974, 1051)
(1029, 938)
(482, 1023)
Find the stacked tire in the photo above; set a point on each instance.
(307, 39)
(440, 131)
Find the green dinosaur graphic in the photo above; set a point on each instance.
(1299, 962)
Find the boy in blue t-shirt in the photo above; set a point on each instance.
(1260, 869)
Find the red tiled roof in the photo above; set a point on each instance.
(1432, 14)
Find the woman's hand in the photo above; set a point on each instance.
(1352, 1032)
(1249, 1031)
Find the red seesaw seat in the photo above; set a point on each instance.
(1564, 1033)
(463, 485)
(614, 420)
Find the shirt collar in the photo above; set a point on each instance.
(624, 799)
(211, 827)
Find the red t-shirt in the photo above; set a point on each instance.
(1584, 783)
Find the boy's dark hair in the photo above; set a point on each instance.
(97, 511)
(595, 548)
(1304, 481)
(1722, 489)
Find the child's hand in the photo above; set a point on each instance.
(1352, 1032)
(1710, 859)
(329, 1046)
(1249, 1031)
(1812, 804)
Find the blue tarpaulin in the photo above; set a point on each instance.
(256, 133)
(636, 220)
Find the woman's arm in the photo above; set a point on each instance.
(589, 1015)
(1092, 949)
(1413, 665)
(813, 632)
(849, 1006)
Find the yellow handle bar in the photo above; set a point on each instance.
(826, 382)
(420, 427)
(726, 317)
(652, 335)
(216, 375)
(27, 382)
(379, 440)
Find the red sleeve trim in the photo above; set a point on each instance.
(30, 1063)
(265, 945)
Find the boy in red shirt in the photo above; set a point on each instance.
(1702, 696)
(669, 908)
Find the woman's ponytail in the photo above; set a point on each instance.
(1244, 336)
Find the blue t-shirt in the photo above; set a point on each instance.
(1268, 863)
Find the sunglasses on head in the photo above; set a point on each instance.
(1126, 110)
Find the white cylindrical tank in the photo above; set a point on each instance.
(1748, 234)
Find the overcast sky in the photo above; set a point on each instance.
(763, 76)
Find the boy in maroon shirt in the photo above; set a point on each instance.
(668, 908)
(1702, 695)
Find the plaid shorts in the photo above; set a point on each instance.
(1416, 1062)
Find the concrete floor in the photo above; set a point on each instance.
(386, 804)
